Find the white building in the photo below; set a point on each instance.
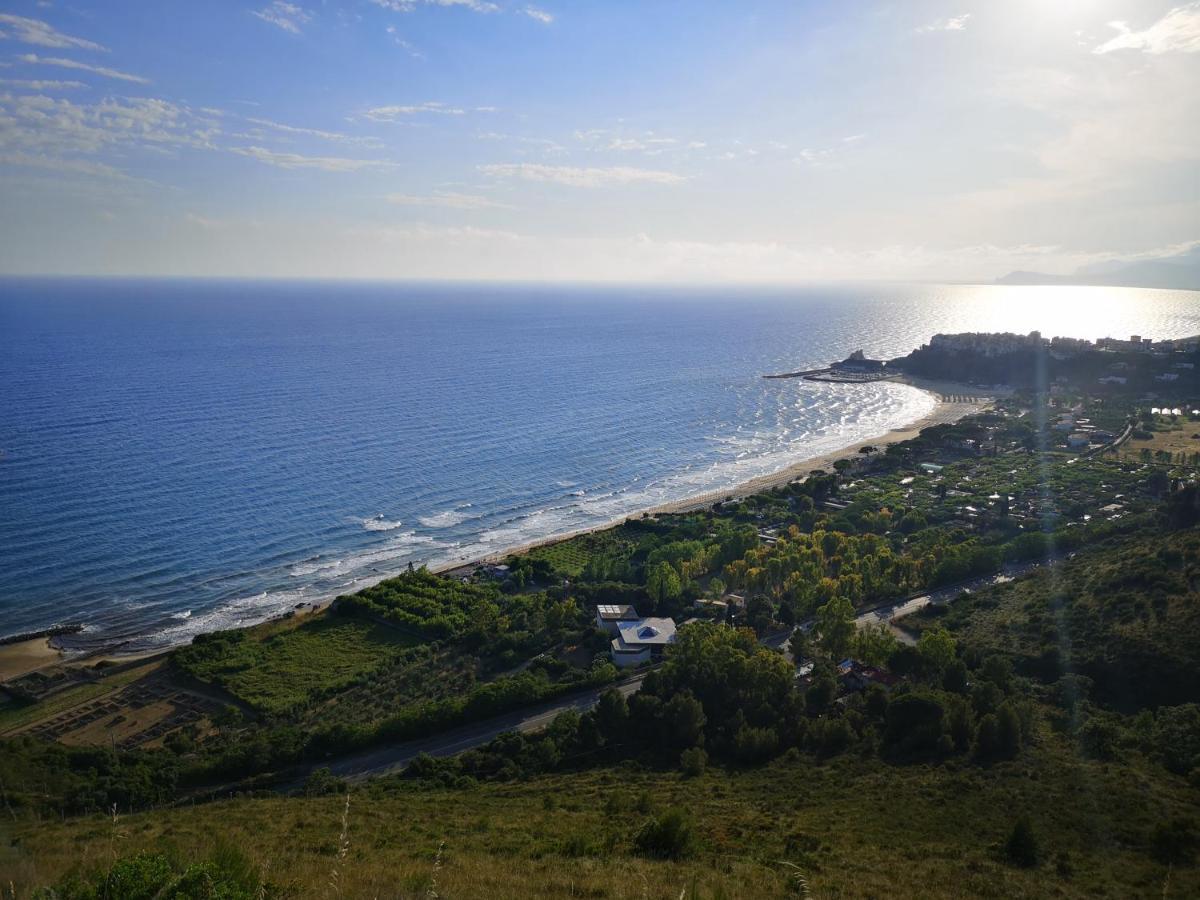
(610, 616)
(638, 642)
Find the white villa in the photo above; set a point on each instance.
(637, 642)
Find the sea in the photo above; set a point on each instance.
(179, 456)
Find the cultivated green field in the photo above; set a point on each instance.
(587, 551)
(282, 666)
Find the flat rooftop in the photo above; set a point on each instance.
(647, 632)
(610, 612)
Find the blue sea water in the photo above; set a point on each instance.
(179, 456)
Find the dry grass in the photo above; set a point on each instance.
(1179, 441)
(852, 828)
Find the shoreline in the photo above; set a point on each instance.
(952, 402)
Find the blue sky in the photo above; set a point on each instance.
(673, 141)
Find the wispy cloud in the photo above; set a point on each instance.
(1178, 30)
(820, 156)
(42, 34)
(402, 43)
(39, 124)
(574, 176)
(333, 136)
(34, 59)
(813, 155)
(38, 84)
(954, 23)
(392, 113)
(72, 166)
(447, 200)
(481, 6)
(323, 163)
(605, 139)
(539, 15)
(287, 16)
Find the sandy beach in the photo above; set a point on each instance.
(955, 401)
(22, 657)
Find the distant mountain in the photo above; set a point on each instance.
(1176, 272)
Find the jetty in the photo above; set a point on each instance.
(855, 369)
(803, 374)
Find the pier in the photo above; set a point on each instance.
(854, 369)
(803, 374)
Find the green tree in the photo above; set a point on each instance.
(954, 678)
(1008, 724)
(914, 723)
(662, 583)
(612, 715)
(937, 648)
(1021, 848)
(1175, 737)
(874, 644)
(987, 738)
(684, 719)
(835, 625)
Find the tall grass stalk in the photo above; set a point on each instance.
(431, 893)
(335, 874)
(798, 877)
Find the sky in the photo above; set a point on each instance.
(623, 140)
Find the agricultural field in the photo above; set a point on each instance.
(419, 675)
(281, 667)
(17, 716)
(602, 555)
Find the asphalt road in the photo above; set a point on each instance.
(389, 760)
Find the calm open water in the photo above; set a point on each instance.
(180, 456)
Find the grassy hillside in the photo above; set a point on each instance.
(852, 827)
(1125, 614)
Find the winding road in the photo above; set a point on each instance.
(389, 760)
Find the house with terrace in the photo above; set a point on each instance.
(637, 643)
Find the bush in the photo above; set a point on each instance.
(693, 761)
(914, 724)
(670, 836)
(1176, 737)
(229, 875)
(322, 781)
(755, 745)
(1098, 739)
(1021, 848)
(1175, 842)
